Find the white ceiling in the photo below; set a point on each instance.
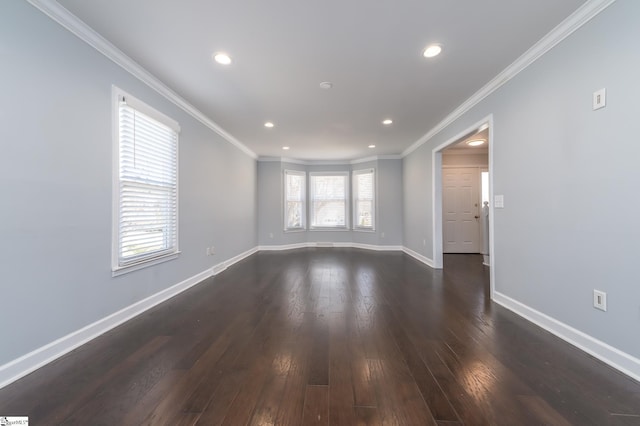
(371, 50)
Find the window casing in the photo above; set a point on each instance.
(364, 206)
(145, 229)
(295, 188)
(328, 200)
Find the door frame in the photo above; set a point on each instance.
(436, 191)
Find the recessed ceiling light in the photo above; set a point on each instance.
(387, 122)
(372, 146)
(286, 148)
(432, 50)
(269, 124)
(476, 142)
(326, 85)
(222, 58)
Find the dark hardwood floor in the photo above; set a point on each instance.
(332, 337)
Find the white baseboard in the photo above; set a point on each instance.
(376, 248)
(329, 244)
(31, 361)
(418, 256)
(27, 363)
(284, 247)
(617, 359)
(224, 265)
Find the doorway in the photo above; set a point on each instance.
(460, 166)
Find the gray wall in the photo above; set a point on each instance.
(55, 181)
(567, 174)
(417, 214)
(389, 205)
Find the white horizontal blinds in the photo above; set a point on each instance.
(329, 201)
(295, 186)
(364, 199)
(148, 185)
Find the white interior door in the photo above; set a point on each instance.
(461, 210)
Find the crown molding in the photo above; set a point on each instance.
(72, 23)
(376, 158)
(576, 20)
(328, 162)
(69, 21)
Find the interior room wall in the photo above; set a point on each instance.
(567, 173)
(56, 185)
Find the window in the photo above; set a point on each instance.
(485, 186)
(364, 199)
(328, 206)
(295, 185)
(145, 185)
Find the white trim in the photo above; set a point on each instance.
(492, 223)
(328, 162)
(116, 271)
(37, 358)
(69, 21)
(418, 256)
(33, 360)
(84, 32)
(30, 362)
(376, 158)
(436, 192)
(284, 247)
(117, 95)
(577, 19)
(375, 247)
(283, 160)
(436, 207)
(329, 244)
(606, 353)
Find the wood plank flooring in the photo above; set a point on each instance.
(328, 336)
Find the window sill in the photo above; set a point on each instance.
(340, 229)
(121, 270)
(368, 230)
(295, 230)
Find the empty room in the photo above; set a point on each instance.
(332, 213)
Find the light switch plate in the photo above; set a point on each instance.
(599, 99)
(600, 300)
(498, 201)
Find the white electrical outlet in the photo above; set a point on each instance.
(600, 300)
(599, 99)
(208, 251)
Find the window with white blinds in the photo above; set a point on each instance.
(295, 186)
(328, 204)
(364, 199)
(146, 230)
